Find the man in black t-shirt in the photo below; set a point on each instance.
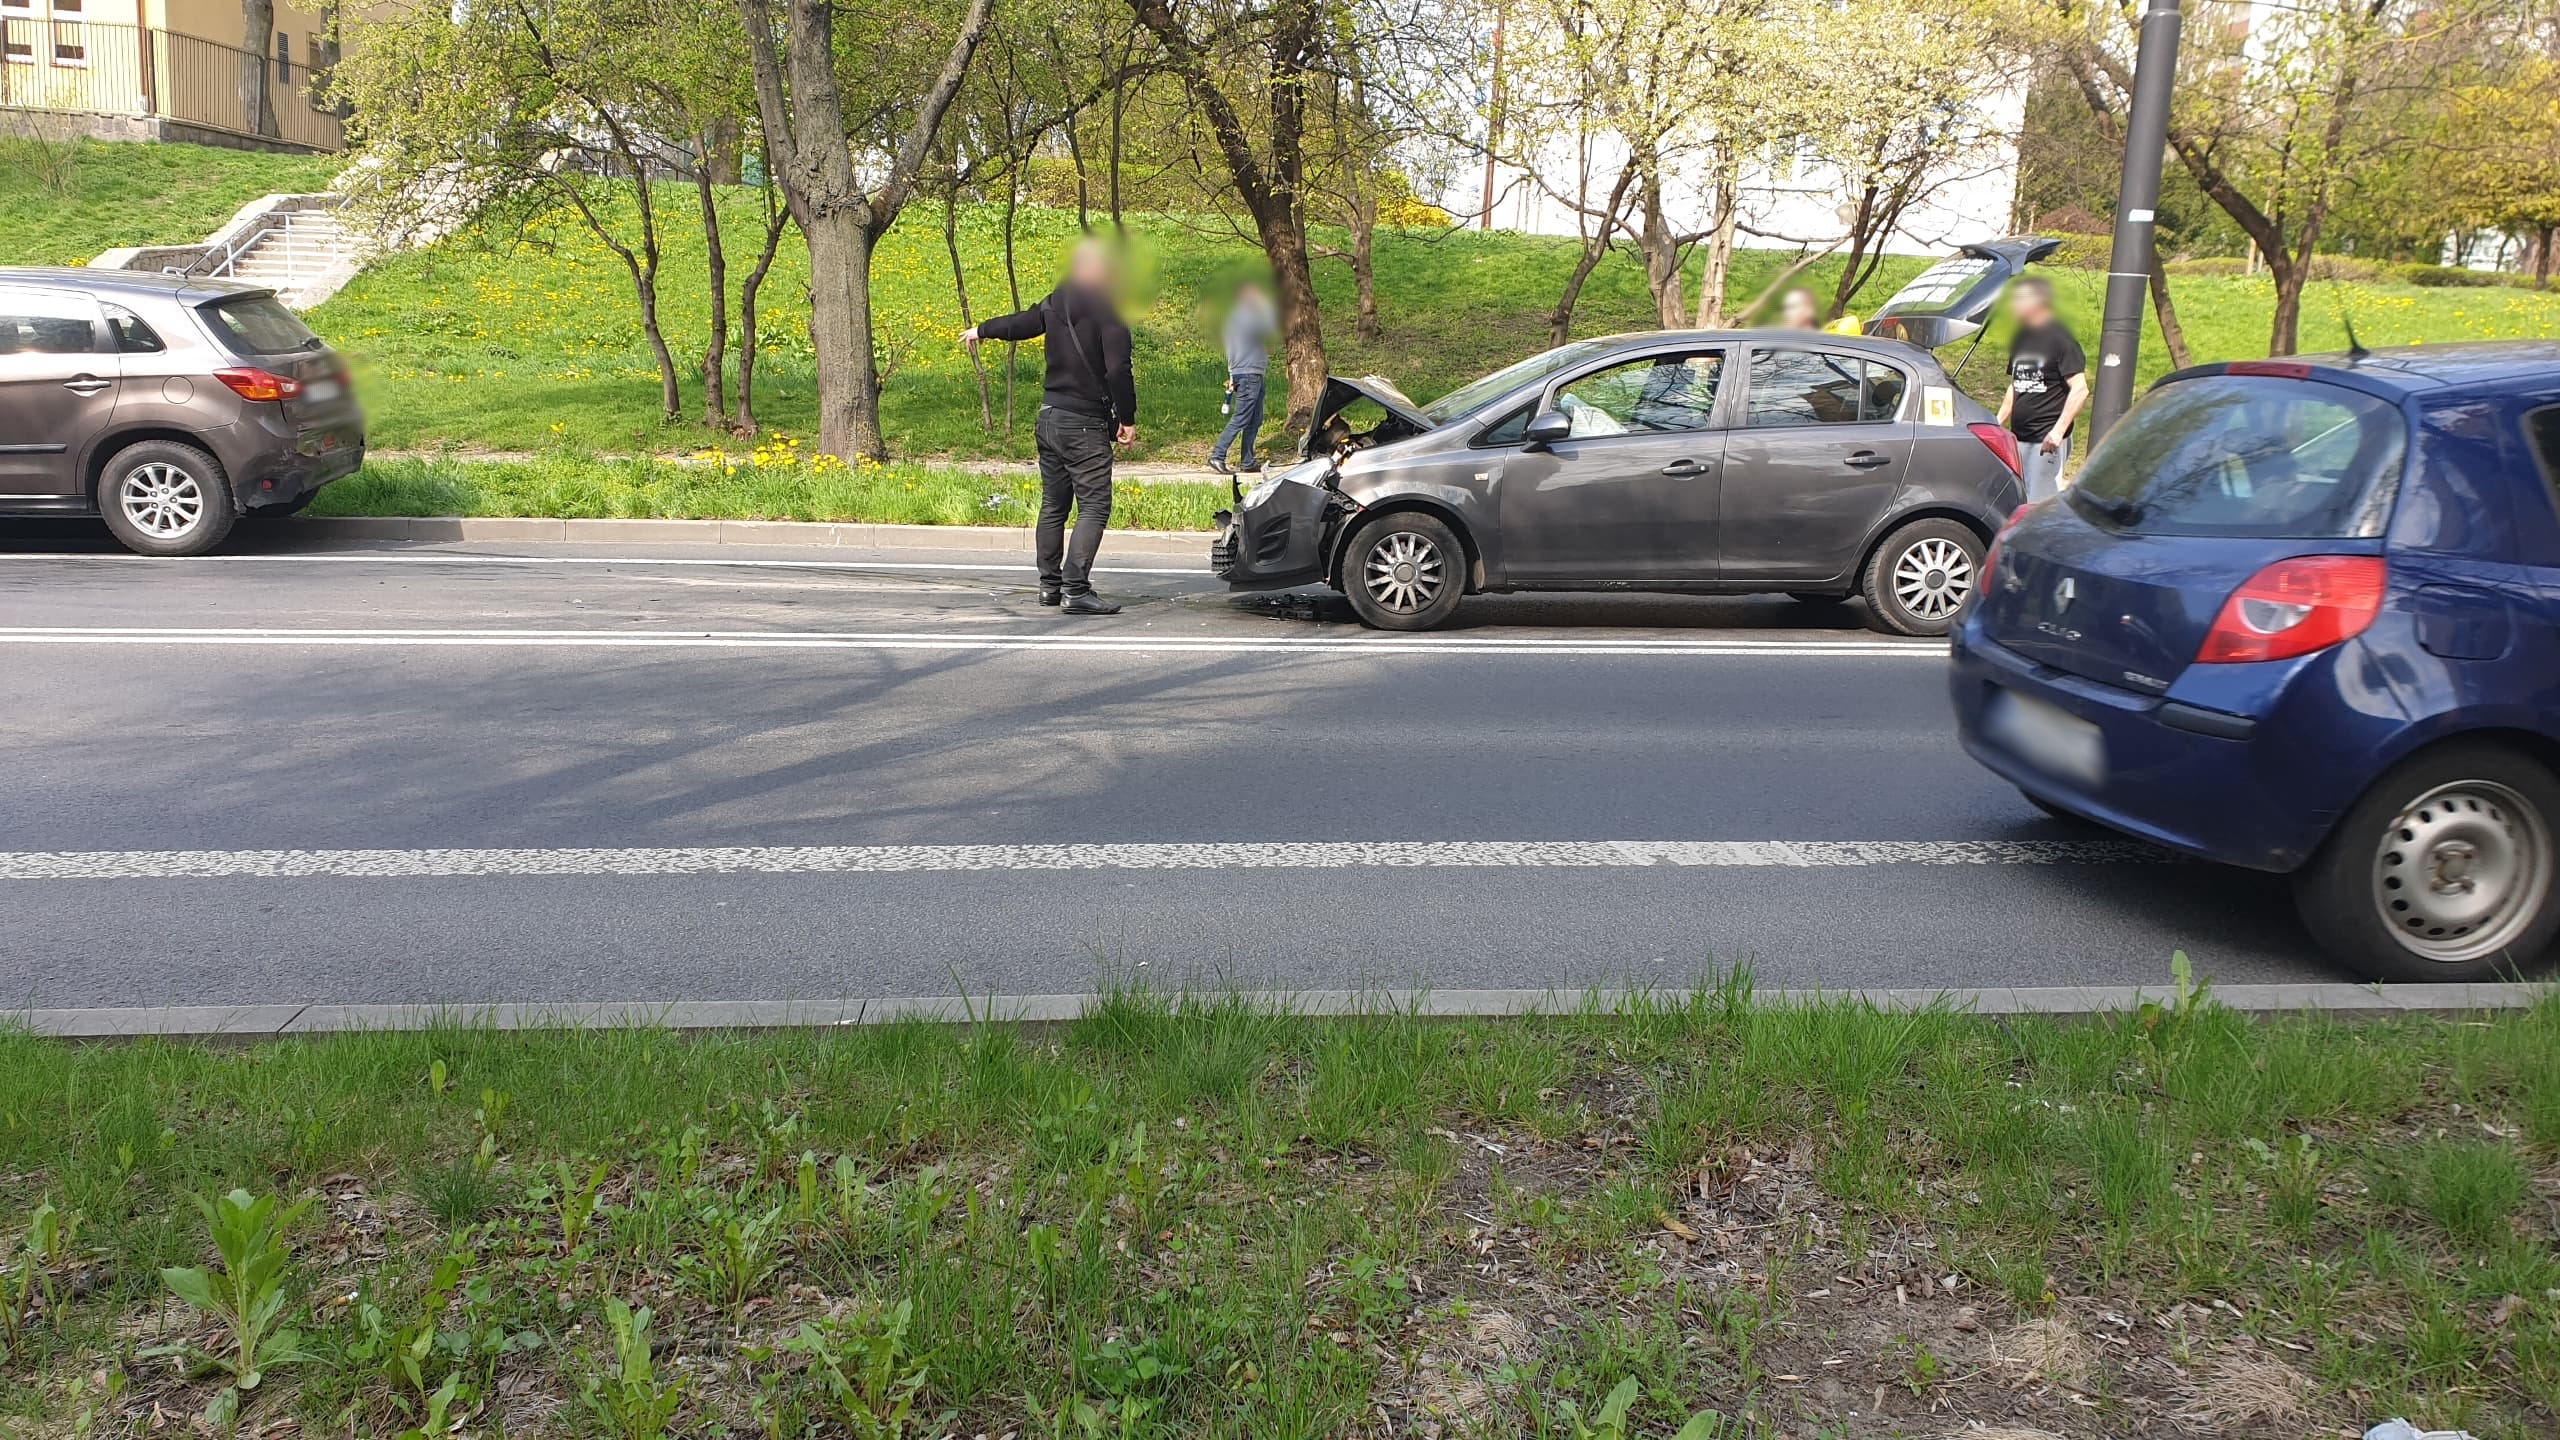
(2048, 383)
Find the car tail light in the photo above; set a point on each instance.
(2294, 607)
(1991, 557)
(251, 384)
(2001, 443)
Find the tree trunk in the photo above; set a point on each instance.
(840, 334)
(1560, 319)
(670, 399)
(1012, 285)
(2172, 334)
(960, 288)
(2542, 256)
(777, 218)
(1084, 187)
(257, 91)
(1661, 258)
(1301, 332)
(2292, 272)
(1719, 266)
(715, 356)
(1364, 268)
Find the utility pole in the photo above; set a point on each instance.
(1493, 120)
(2146, 137)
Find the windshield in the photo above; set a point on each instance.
(1502, 382)
(1939, 286)
(258, 325)
(2262, 457)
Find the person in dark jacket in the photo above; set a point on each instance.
(1088, 404)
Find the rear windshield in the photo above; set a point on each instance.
(257, 325)
(2247, 456)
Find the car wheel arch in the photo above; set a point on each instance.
(107, 447)
(2426, 738)
(1402, 504)
(1885, 529)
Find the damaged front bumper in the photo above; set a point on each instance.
(1280, 534)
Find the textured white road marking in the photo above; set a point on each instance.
(888, 859)
(1098, 639)
(722, 563)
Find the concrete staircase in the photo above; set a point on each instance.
(301, 246)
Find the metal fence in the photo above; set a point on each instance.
(109, 69)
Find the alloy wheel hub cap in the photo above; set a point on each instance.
(1933, 579)
(161, 500)
(1405, 573)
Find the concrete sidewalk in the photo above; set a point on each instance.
(1008, 539)
(267, 1022)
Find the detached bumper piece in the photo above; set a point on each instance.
(1276, 544)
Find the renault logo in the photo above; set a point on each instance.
(2063, 594)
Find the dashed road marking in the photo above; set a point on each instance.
(902, 859)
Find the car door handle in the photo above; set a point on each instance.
(85, 384)
(1683, 469)
(1868, 460)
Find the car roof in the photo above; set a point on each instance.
(129, 282)
(2404, 370)
(1900, 350)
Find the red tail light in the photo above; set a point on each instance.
(1991, 558)
(259, 384)
(2001, 443)
(2274, 369)
(2294, 607)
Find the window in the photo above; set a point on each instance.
(1808, 387)
(70, 43)
(257, 325)
(1885, 388)
(132, 335)
(2247, 456)
(19, 44)
(284, 58)
(1511, 377)
(47, 322)
(1658, 395)
(1511, 429)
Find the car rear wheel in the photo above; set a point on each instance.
(2443, 871)
(1405, 572)
(163, 498)
(1923, 578)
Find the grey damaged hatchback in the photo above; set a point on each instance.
(1818, 465)
(169, 406)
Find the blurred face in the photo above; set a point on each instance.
(2029, 306)
(1797, 310)
(1090, 266)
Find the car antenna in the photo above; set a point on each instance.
(2356, 353)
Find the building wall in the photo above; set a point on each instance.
(182, 61)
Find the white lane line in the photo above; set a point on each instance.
(927, 640)
(891, 859)
(738, 563)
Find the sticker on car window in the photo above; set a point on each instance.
(1937, 405)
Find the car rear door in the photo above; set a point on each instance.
(57, 388)
(1630, 496)
(1820, 451)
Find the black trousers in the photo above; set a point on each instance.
(1075, 468)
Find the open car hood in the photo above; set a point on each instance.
(1403, 417)
(1952, 299)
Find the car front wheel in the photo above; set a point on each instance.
(2443, 871)
(163, 498)
(1406, 572)
(1923, 577)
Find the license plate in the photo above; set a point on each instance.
(2048, 737)
(322, 390)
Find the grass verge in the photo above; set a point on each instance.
(62, 202)
(1192, 1218)
(772, 484)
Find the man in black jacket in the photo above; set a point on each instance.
(1088, 404)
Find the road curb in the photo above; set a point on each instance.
(273, 1021)
(448, 529)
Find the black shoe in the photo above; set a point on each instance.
(1219, 464)
(1250, 467)
(1090, 604)
(1049, 597)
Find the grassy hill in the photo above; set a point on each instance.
(531, 343)
(61, 204)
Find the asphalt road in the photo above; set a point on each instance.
(555, 773)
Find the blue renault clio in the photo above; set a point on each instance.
(2304, 616)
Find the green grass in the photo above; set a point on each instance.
(774, 483)
(1201, 1218)
(514, 346)
(110, 195)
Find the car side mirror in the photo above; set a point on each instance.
(1547, 429)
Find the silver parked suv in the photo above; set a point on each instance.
(169, 406)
